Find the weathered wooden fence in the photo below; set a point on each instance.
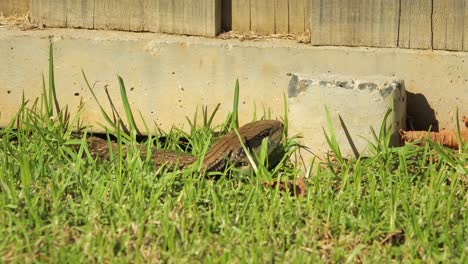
(420, 24)
(191, 17)
(13, 7)
(271, 16)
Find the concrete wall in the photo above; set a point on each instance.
(169, 76)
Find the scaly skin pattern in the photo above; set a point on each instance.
(228, 149)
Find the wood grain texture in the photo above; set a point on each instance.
(199, 17)
(80, 14)
(384, 23)
(112, 14)
(14, 7)
(448, 24)
(308, 14)
(281, 16)
(137, 19)
(321, 22)
(241, 15)
(465, 33)
(297, 16)
(191, 17)
(52, 13)
(355, 22)
(166, 16)
(263, 16)
(415, 24)
(151, 16)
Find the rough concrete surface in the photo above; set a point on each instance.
(354, 105)
(169, 76)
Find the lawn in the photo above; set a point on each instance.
(57, 204)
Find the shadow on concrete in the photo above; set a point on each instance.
(420, 115)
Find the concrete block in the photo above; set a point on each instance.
(354, 104)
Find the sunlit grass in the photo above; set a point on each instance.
(58, 204)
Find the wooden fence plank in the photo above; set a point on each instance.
(52, 13)
(308, 14)
(415, 24)
(151, 15)
(364, 28)
(320, 25)
(192, 17)
(281, 16)
(112, 14)
(80, 14)
(263, 16)
(405, 25)
(355, 22)
(342, 20)
(439, 17)
(179, 16)
(465, 33)
(448, 24)
(14, 7)
(200, 18)
(297, 16)
(167, 15)
(137, 18)
(241, 15)
(456, 25)
(385, 19)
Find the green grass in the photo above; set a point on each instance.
(57, 204)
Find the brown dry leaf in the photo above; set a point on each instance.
(465, 120)
(447, 137)
(297, 188)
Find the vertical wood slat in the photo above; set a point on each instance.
(14, 7)
(194, 17)
(415, 24)
(320, 22)
(385, 23)
(80, 14)
(355, 22)
(308, 14)
(52, 13)
(137, 14)
(448, 24)
(166, 16)
(112, 14)
(201, 17)
(281, 16)
(297, 16)
(263, 16)
(151, 15)
(341, 21)
(241, 15)
(465, 33)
